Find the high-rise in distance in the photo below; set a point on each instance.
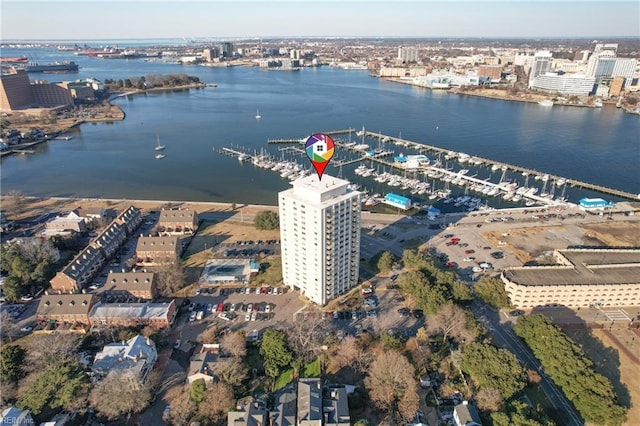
(320, 237)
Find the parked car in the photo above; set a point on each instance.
(192, 316)
(177, 344)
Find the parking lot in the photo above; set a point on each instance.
(249, 248)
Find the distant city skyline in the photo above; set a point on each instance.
(83, 20)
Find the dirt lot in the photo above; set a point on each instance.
(532, 243)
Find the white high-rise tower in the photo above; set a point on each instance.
(320, 237)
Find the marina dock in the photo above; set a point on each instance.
(508, 190)
(420, 147)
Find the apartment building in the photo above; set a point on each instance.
(141, 285)
(178, 222)
(66, 308)
(320, 237)
(153, 251)
(581, 278)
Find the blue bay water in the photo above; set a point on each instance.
(117, 160)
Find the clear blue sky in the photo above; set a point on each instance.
(117, 19)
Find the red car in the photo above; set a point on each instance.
(220, 307)
(455, 240)
(450, 265)
(470, 251)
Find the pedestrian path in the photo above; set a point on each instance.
(616, 314)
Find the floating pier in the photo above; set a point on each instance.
(572, 182)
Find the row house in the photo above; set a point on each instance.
(178, 222)
(249, 413)
(79, 272)
(153, 251)
(66, 308)
(131, 218)
(134, 358)
(314, 405)
(142, 285)
(156, 315)
(86, 265)
(111, 239)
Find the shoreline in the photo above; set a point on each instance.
(534, 97)
(200, 85)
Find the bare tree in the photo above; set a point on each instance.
(392, 386)
(218, 401)
(234, 344)
(306, 337)
(119, 394)
(210, 335)
(170, 278)
(16, 201)
(489, 399)
(451, 320)
(53, 349)
(352, 354)
(8, 327)
(182, 408)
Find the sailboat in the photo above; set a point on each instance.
(258, 116)
(159, 156)
(159, 147)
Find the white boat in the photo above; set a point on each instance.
(158, 146)
(159, 156)
(258, 116)
(546, 103)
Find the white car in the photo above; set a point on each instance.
(247, 317)
(192, 316)
(258, 290)
(477, 269)
(224, 316)
(254, 316)
(267, 308)
(467, 259)
(26, 328)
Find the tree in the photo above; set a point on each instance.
(489, 399)
(521, 414)
(118, 394)
(12, 288)
(352, 354)
(233, 372)
(385, 263)
(8, 327)
(170, 278)
(451, 321)
(217, 402)
(11, 360)
(210, 335)
(56, 387)
(306, 337)
(491, 291)
(413, 259)
(267, 220)
(53, 350)
(392, 386)
(181, 407)
(234, 344)
(494, 367)
(198, 389)
(275, 352)
(16, 201)
(564, 361)
(460, 292)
